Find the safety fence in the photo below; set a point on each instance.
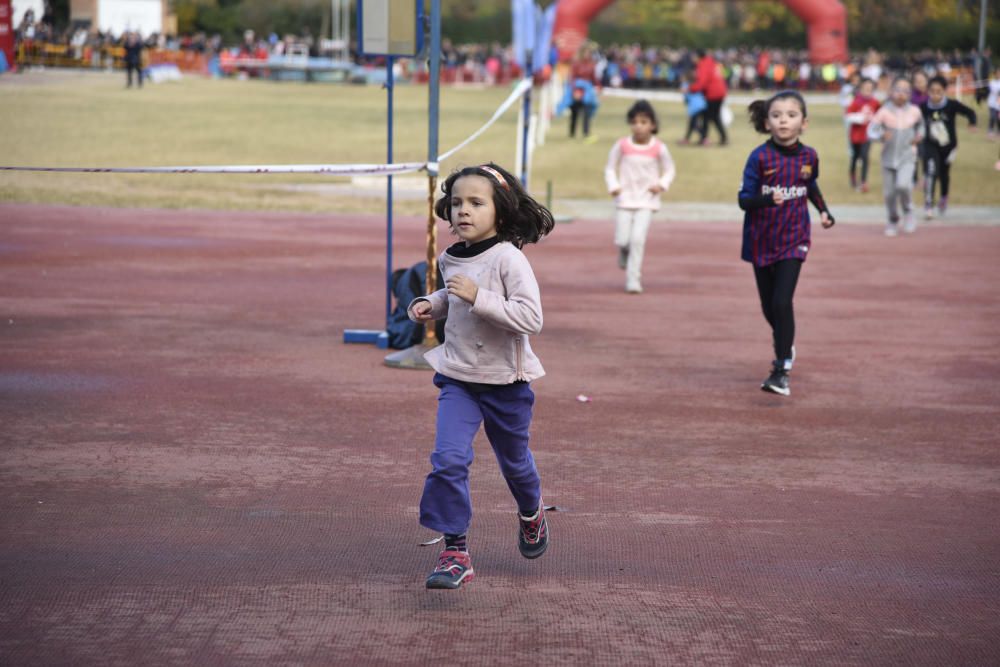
(31, 53)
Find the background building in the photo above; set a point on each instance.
(117, 16)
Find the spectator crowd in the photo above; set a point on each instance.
(616, 65)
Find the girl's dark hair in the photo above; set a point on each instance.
(943, 82)
(643, 108)
(866, 80)
(520, 219)
(759, 109)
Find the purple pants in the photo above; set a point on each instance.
(506, 412)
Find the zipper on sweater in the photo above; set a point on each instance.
(517, 361)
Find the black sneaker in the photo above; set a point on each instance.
(777, 382)
(453, 569)
(533, 537)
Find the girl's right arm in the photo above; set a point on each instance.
(438, 302)
(876, 130)
(750, 196)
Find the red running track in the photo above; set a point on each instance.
(195, 470)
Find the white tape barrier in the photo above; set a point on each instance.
(739, 97)
(514, 96)
(635, 94)
(333, 169)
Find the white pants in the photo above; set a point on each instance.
(897, 186)
(631, 228)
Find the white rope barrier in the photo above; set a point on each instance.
(334, 169)
(636, 94)
(514, 96)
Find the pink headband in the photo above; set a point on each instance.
(496, 174)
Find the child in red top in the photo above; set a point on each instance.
(859, 113)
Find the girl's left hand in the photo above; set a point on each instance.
(824, 218)
(462, 287)
(656, 189)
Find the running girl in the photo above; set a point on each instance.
(940, 141)
(899, 126)
(639, 168)
(485, 365)
(859, 113)
(779, 175)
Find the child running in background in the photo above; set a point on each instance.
(848, 91)
(919, 93)
(918, 96)
(639, 169)
(779, 176)
(484, 367)
(900, 128)
(940, 141)
(695, 105)
(859, 114)
(993, 104)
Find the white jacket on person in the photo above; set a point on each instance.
(906, 125)
(487, 342)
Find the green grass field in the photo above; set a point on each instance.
(53, 119)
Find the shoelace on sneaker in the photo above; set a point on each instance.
(449, 561)
(531, 529)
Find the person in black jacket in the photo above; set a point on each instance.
(133, 57)
(940, 141)
(981, 72)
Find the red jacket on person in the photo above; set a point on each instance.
(708, 80)
(859, 130)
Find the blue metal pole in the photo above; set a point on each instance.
(527, 122)
(388, 199)
(434, 86)
(433, 94)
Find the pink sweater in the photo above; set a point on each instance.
(633, 168)
(905, 123)
(487, 341)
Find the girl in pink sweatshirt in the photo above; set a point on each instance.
(639, 168)
(899, 125)
(485, 366)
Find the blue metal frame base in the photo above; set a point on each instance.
(379, 339)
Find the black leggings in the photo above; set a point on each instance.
(138, 71)
(712, 115)
(695, 124)
(576, 109)
(776, 286)
(859, 152)
(936, 167)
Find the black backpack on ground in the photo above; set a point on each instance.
(407, 285)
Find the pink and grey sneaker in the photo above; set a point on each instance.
(453, 569)
(533, 536)
(942, 205)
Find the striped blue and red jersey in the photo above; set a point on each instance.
(773, 232)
